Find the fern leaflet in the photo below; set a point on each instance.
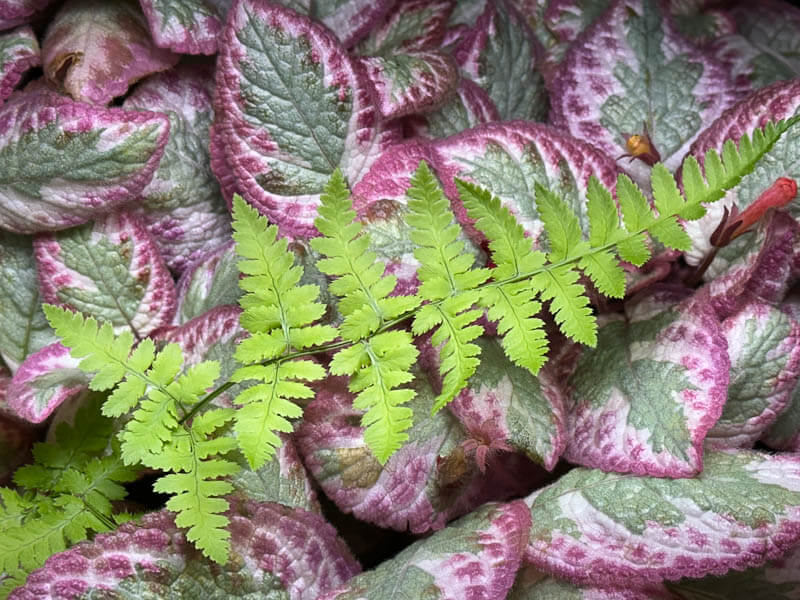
(448, 283)
(279, 314)
(379, 365)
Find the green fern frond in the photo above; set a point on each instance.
(361, 282)
(68, 493)
(448, 282)
(280, 316)
(195, 483)
(376, 368)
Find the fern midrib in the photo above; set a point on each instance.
(387, 407)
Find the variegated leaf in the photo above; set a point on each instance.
(185, 26)
(764, 349)
(468, 107)
(211, 280)
(411, 82)
(19, 12)
(412, 25)
(23, 326)
(643, 400)
(44, 381)
(632, 73)
(532, 584)
(509, 159)
(19, 51)
(778, 101)
(110, 270)
(350, 20)
(505, 407)
(65, 162)
(699, 21)
(764, 46)
(603, 529)
(429, 481)
(282, 553)
(499, 54)
(292, 107)
(95, 49)
(182, 206)
(777, 580)
(475, 557)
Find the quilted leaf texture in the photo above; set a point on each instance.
(109, 269)
(185, 26)
(474, 557)
(67, 162)
(19, 51)
(291, 106)
(644, 399)
(595, 528)
(282, 553)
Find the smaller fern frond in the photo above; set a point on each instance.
(195, 482)
(280, 316)
(377, 367)
(448, 282)
(360, 279)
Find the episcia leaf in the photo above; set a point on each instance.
(411, 82)
(779, 101)
(46, 379)
(292, 106)
(350, 20)
(776, 580)
(764, 349)
(182, 206)
(411, 25)
(184, 26)
(509, 159)
(632, 73)
(212, 279)
(468, 107)
(19, 51)
(63, 162)
(109, 269)
(19, 12)
(151, 557)
(762, 47)
(499, 54)
(603, 529)
(95, 49)
(701, 23)
(427, 482)
(643, 400)
(567, 19)
(506, 407)
(23, 326)
(476, 556)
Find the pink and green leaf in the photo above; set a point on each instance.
(764, 349)
(644, 399)
(184, 26)
(19, 51)
(499, 54)
(19, 12)
(94, 50)
(109, 269)
(66, 162)
(411, 25)
(212, 279)
(23, 326)
(284, 553)
(475, 557)
(45, 380)
(182, 206)
(595, 528)
(632, 73)
(291, 107)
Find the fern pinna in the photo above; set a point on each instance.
(171, 425)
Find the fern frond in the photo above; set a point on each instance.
(195, 483)
(361, 282)
(376, 368)
(448, 281)
(280, 316)
(69, 494)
